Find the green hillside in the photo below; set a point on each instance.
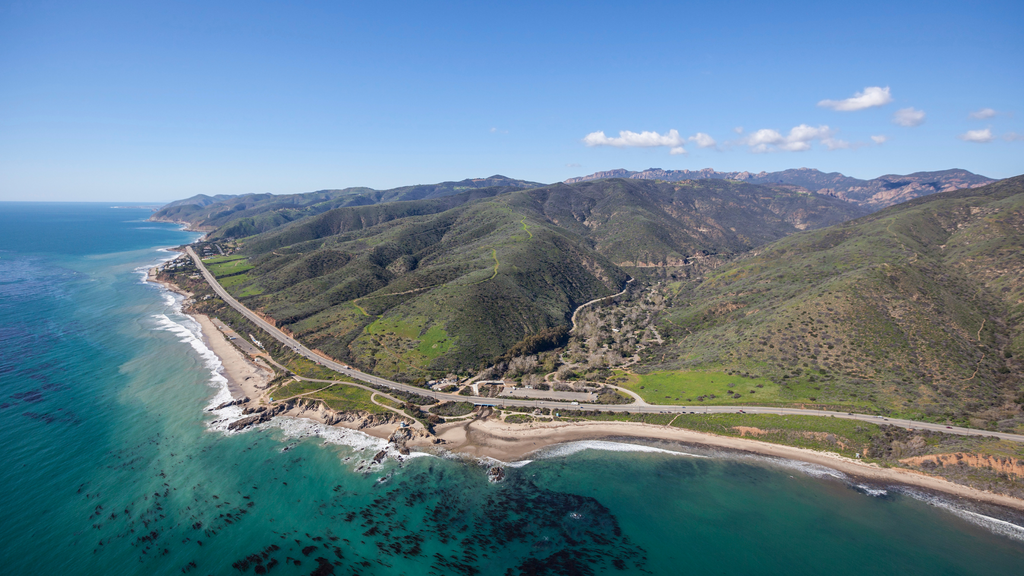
(915, 309)
(419, 288)
(423, 293)
(652, 224)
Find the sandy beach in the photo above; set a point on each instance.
(510, 442)
(245, 377)
(492, 438)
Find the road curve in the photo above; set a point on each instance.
(296, 346)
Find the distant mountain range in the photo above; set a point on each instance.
(874, 194)
(255, 213)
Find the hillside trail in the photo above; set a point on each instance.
(361, 309)
(594, 301)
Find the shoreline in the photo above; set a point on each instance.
(511, 442)
(484, 438)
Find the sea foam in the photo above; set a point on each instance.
(569, 448)
(963, 511)
(190, 332)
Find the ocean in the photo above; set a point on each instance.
(113, 465)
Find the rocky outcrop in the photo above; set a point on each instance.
(669, 175)
(495, 474)
(619, 173)
(259, 415)
(876, 194)
(238, 402)
(1001, 464)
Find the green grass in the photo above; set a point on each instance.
(434, 343)
(228, 265)
(679, 387)
(407, 342)
(221, 259)
(294, 388)
(235, 281)
(349, 398)
(305, 367)
(388, 402)
(403, 327)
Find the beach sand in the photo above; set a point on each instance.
(245, 376)
(492, 438)
(510, 442)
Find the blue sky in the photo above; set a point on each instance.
(132, 101)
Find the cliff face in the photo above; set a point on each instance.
(875, 194)
(893, 189)
(1002, 465)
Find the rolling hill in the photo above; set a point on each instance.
(916, 309)
(255, 213)
(422, 287)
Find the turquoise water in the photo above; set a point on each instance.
(112, 466)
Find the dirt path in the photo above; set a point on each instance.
(635, 396)
(373, 398)
(582, 306)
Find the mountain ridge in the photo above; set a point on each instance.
(876, 193)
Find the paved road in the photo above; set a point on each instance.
(562, 406)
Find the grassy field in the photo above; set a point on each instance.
(293, 388)
(679, 387)
(349, 398)
(305, 367)
(220, 259)
(227, 265)
(404, 344)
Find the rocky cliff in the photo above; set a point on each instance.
(875, 194)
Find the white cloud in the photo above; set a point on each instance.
(573, 165)
(908, 117)
(633, 139)
(880, 139)
(835, 144)
(703, 140)
(738, 129)
(978, 136)
(871, 96)
(1013, 137)
(798, 139)
(983, 114)
(677, 150)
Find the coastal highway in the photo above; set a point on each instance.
(297, 346)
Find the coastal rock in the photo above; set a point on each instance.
(244, 423)
(263, 415)
(224, 405)
(495, 474)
